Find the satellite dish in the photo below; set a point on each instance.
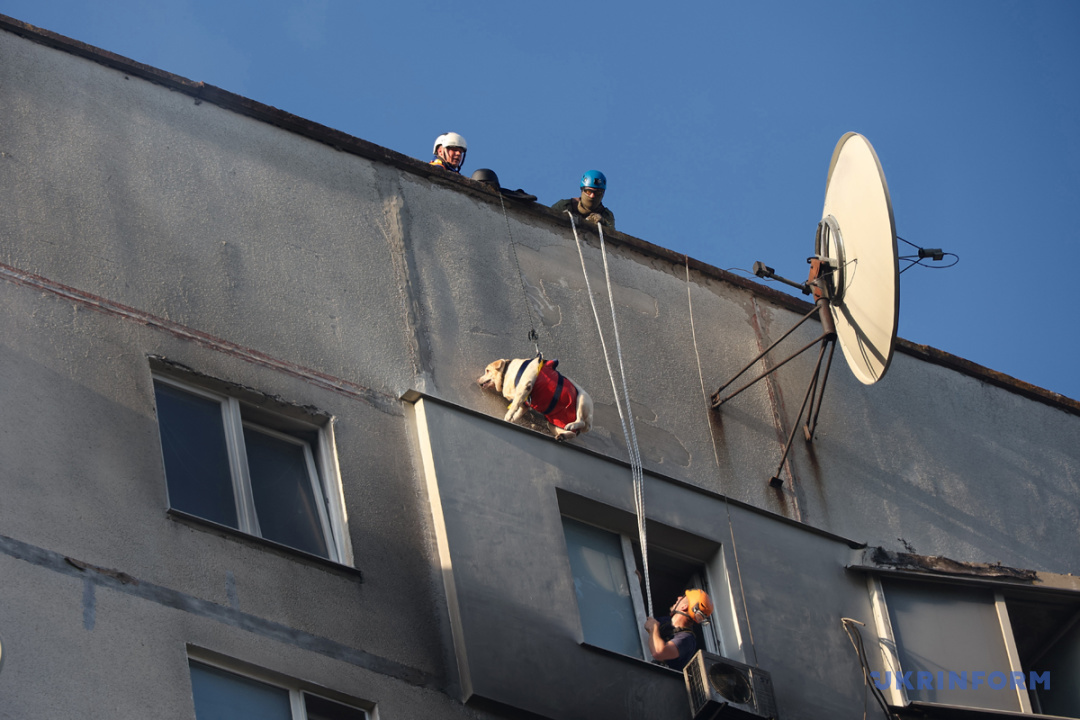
(858, 234)
(854, 278)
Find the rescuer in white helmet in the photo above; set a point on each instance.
(449, 151)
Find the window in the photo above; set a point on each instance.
(610, 596)
(222, 695)
(994, 647)
(261, 472)
(606, 605)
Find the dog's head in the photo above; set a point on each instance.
(493, 376)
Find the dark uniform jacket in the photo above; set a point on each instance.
(571, 204)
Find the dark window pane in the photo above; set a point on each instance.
(281, 487)
(221, 695)
(943, 629)
(196, 458)
(1061, 660)
(322, 709)
(603, 593)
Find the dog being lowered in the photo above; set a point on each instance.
(535, 383)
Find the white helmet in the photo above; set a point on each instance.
(450, 139)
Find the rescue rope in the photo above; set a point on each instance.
(533, 336)
(628, 418)
(719, 470)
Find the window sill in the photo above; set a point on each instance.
(631, 659)
(936, 711)
(262, 543)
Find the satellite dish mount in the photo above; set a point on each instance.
(854, 278)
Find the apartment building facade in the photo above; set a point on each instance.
(246, 462)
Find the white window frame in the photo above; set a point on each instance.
(898, 696)
(889, 654)
(722, 636)
(296, 692)
(324, 476)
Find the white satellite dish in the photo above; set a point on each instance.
(858, 234)
(854, 277)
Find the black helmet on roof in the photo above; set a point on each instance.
(486, 176)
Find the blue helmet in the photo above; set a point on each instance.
(594, 179)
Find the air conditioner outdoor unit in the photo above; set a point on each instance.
(722, 688)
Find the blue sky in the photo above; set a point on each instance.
(713, 121)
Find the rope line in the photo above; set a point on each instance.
(719, 470)
(635, 464)
(629, 435)
(521, 278)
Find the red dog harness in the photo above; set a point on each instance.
(553, 396)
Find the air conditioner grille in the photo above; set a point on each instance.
(695, 682)
(722, 689)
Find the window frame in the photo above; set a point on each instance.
(722, 635)
(297, 690)
(321, 462)
(1000, 593)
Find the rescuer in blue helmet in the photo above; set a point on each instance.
(589, 205)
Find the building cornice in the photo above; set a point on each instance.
(347, 143)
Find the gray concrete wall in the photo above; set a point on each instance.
(83, 479)
(499, 520)
(392, 281)
(140, 220)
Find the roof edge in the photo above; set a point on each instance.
(348, 143)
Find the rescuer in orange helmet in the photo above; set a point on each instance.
(671, 639)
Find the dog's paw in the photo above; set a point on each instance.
(562, 435)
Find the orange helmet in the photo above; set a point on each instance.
(698, 605)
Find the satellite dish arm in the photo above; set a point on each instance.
(717, 400)
(764, 271)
